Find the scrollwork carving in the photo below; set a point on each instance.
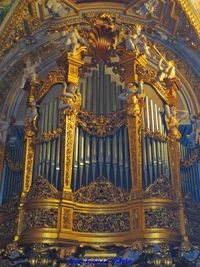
(40, 218)
(41, 188)
(195, 156)
(162, 218)
(104, 223)
(161, 188)
(8, 229)
(101, 125)
(157, 135)
(101, 192)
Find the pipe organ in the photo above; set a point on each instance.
(155, 155)
(47, 161)
(101, 150)
(12, 175)
(190, 171)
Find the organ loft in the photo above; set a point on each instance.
(99, 133)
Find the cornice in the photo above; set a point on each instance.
(192, 15)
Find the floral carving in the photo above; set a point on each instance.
(104, 223)
(101, 125)
(40, 218)
(41, 188)
(162, 218)
(12, 205)
(8, 229)
(101, 192)
(187, 163)
(161, 188)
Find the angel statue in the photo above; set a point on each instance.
(73, 40)
(70, 93)
(32, 113)
(30, 72)
(55, 8)
(135, 41)
(4, 127)
(147, 8)
(132, 90)
(166, 70)
(174, 118)
(132, 38)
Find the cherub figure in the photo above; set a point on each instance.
(30, 72)
(4, 127)
(172, 120)
(166, 71)
(55, 8)
(132, 38)
(70, 93)
(73, 40)
(31, 112)
(132, 90)
(137, 41)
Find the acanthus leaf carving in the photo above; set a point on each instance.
(101, 192)
(41, 188)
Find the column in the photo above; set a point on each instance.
(71, 102)
(132, 64)
(174, 154)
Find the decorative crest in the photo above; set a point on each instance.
(102, 37)
(161, 188)
(41, 188)
(101, 192)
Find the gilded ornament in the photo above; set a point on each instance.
(101, 192)
(161, 188)
(41, 189)
(102, 37)
(162, 218)
(40, 218)
(194, 158)
(101, 125)
(101, 223)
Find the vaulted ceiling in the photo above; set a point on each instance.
(30, 27)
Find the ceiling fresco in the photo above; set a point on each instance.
(170, 24)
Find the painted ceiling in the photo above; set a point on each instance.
(23, 30)
(5, 5)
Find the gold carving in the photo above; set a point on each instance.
(194, 158)
(102, 37)
(157, 135)
(67, 219)
(40, 218)
(54, 77)
(101, 125)
(134, 218)
(101, 223)
(134, 123)
(41, 188)
(161, 188)
(48, 136)
(162, 218)
(101, 192)
(28, 164)
(68, 140)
